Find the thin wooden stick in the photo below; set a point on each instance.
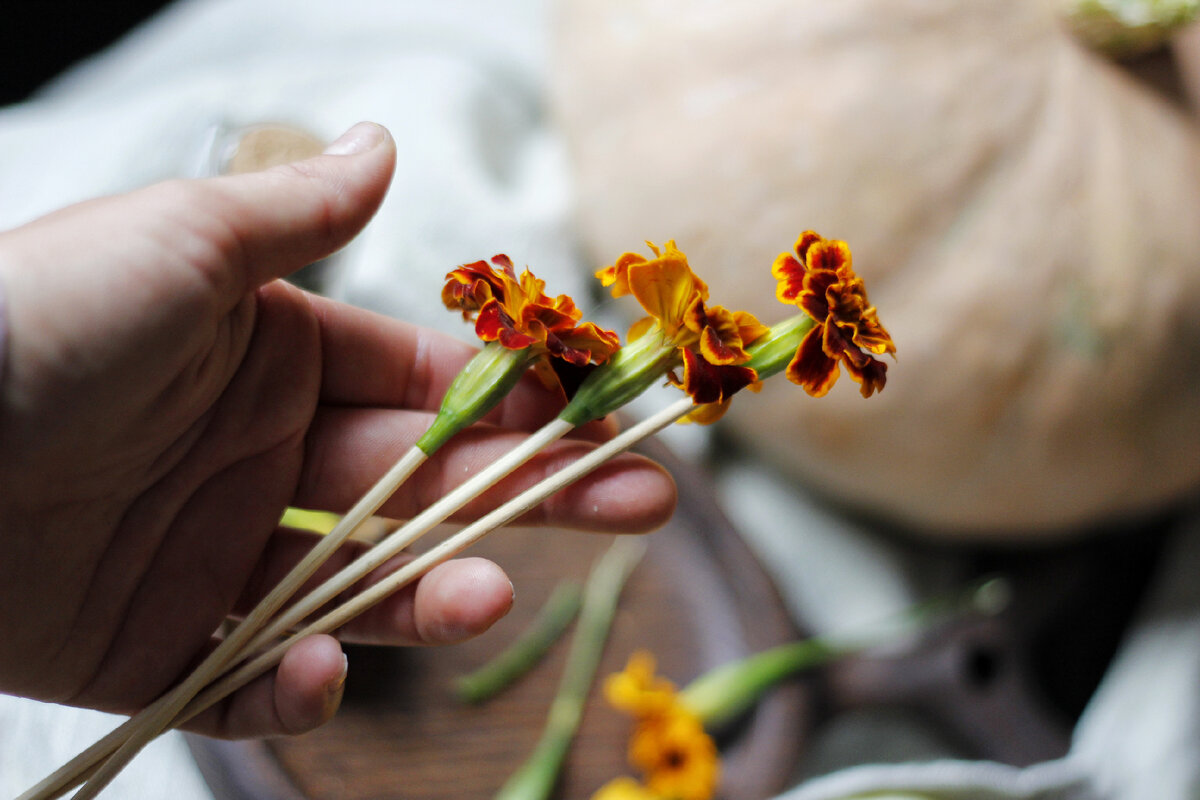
(397, 580)
(148, 725)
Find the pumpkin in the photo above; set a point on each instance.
(1025, 213)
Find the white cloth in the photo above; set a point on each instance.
(1139, 736)
(459, 83)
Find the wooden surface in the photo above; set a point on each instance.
(697, 600)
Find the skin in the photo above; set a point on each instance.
(164, 396)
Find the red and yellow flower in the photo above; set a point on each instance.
(521, 328)
(518, 315)
(709, 341)
(818, 277)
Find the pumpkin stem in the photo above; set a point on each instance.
(1127, 28)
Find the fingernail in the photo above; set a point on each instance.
(359, 139)
(334, 690)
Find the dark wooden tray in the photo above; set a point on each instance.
(698, 599)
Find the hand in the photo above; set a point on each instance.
(164, 397)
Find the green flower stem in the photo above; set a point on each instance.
(720, 695)
(535, 779)
(632, 370)
(73, 773)
(477, 389)
(773, 352)
(527, 649)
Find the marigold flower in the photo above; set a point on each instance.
(677, 757)
(625, 788)
(637, 690)
(818, 277)
(669, 744)
(709, 341)
(521, 328)
(517, 314)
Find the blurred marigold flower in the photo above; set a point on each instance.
(818, 277)
(624, 788)
(677, 756)
(637, 690)
(669, 745)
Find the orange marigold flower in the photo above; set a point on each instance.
(818, 277)
(637, 690)
(625, 788)
(678, 758)
(517, 314)
(669, 745)
(711, 339)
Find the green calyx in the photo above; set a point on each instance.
(479, 387)
(771, 353)
(632, 370)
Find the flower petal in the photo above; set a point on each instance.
(667, 290)
(624, 788)
(616, 276)
(750, 330)
(790, 274)
(708, 413)
(713, 383)
(827, 254)
(639, 328)
(871, 374)
(811, 368)
(721, 340)
(637, 690)
(804, 242)
(494, 325)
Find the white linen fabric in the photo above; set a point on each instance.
(459, 83)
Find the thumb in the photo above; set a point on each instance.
(269, 224)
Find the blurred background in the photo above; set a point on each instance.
(1019, 181)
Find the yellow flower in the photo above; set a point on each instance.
(678, 758)
(624, 788)
(818, 277)
(710, 340)
(669, 744)
(637, 690)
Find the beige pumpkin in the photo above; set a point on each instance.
(1025, 213)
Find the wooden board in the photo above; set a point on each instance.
(698, 599)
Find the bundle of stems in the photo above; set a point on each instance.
(523, 328)
(103, 759)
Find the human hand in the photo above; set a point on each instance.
(163, 397)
